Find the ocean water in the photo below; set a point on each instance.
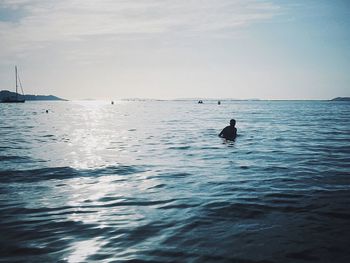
(150, 181)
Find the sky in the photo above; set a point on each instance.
(169, 49)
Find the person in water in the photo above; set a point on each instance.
(229, 132)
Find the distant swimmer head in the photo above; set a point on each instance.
(47, 111)
(232, 122)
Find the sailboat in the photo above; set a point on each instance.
(16, 98)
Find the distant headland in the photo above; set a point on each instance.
(341, 99)
(6, 94)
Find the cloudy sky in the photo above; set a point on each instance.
(110, 49)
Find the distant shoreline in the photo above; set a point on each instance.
(29, 97)
(341, 99)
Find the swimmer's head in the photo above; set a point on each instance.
(233, 122)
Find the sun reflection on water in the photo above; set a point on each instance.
(92, 137)
(81, 250)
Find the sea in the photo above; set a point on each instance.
(151, 181)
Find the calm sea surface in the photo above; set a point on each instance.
(150, 181)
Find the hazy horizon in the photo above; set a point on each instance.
(204, 99)
(274, 50)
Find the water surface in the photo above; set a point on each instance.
(150, 181)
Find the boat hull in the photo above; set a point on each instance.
(12, 101)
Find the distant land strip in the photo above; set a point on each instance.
(6, 94)
(341, 99)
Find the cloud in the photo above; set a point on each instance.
(43, 22)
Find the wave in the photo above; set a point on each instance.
(13, 158)
(60, 173)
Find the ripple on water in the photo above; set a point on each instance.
(61, 173)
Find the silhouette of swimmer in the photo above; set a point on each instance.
(229, 132)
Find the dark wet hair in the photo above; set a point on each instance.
(233, 122)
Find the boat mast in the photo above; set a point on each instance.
(16, 81)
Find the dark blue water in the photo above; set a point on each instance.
(151, 182)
